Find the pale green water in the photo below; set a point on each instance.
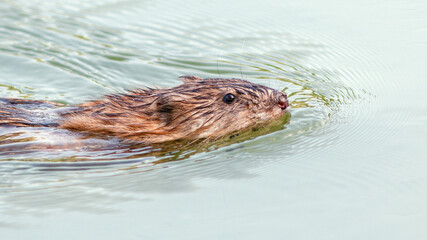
(351, 163)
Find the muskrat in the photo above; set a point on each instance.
(198, 108)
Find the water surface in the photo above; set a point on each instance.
(349, 164)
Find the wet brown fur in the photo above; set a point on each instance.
(23, 112)
(192, 110)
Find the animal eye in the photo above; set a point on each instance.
(229, 98)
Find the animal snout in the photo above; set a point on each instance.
(283, 102)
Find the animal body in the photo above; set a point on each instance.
(198, 108)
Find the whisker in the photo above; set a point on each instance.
(277, 81)
(217, 63)
(241, 53)
(190, 143)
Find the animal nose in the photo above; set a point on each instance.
(283, 102)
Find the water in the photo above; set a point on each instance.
(350, 164)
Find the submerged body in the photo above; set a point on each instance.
(198, 108)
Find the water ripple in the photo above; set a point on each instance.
(107, 52)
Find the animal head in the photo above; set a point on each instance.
(215, 107)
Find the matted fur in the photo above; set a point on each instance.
(27, 113)
(192, 110)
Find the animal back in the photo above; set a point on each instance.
(26, 113)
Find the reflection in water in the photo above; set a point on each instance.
(95, 173)
(96, 186)
(59, 145)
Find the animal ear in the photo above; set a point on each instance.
(166, 109)
(190, 79)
